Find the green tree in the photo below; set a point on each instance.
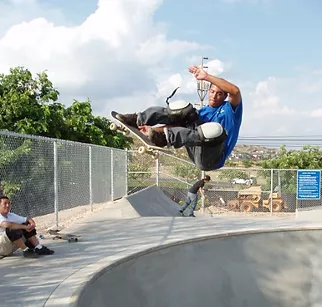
(29, 105)
(247, 163)
(230, 163)
(310, 157)
(23, 101)
(230, 174)
(187, 171)
(9, 160)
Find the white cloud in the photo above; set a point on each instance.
(265, 100)
(118, 51)
(278, 106)
(216, 67)
(185, 80)
(316, 113)
(121, 59)
(312, 87)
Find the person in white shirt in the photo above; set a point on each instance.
(18, 232)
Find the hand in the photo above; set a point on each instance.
(144, 129)
(198, 72)
(31, 222)
(29, 227)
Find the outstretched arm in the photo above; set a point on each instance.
(15, 226)
(226, 86)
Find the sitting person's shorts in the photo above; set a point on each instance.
(6, 246)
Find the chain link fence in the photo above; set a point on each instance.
(248, 190)
(142, 171)
(43, 175)
(232, 191)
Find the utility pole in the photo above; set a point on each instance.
(202, 89)
(202, 86)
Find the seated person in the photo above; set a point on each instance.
(18, 232)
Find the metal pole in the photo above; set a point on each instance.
(157, 165)
(279, 183)
(56, 183)
(271, 196)
(202, 87)
(202, 199)
(90, 177)
(126, 171)
(112, 175)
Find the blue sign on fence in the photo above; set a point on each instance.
(308, 184)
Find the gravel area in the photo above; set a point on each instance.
(214, 210)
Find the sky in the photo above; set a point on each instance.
(127, 55)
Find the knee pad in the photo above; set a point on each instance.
(182, 111)
(212, 133)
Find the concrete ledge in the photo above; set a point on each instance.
(312, 214)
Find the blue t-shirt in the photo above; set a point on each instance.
(229, 118)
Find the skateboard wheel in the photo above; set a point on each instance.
(72, 240)
(113, 127)
(126, 132)
(141, 150)
(156, 155)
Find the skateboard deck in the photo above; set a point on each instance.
(148, 146)
(56, 235)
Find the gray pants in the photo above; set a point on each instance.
(192, 201)
(205, 156)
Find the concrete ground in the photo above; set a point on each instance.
(117, 232)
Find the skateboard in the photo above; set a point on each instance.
(148, 146)
(56, 235)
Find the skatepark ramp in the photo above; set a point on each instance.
(275, 268)
(151, 201)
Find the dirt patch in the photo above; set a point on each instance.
(213, 211)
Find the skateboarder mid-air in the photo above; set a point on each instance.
(209, 134)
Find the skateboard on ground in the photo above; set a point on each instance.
(56, 235)
(148, 146)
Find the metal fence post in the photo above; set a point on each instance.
(202, 199)
(271, 195)
(126, 171)
(112, 174)
(90, 177)
(157, 166)
(56, 183)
